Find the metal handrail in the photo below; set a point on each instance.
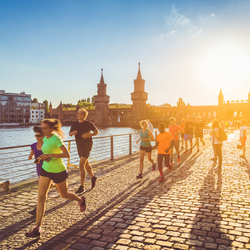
(109, 147)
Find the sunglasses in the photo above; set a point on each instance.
(38, 135)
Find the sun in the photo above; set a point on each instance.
(225, 67)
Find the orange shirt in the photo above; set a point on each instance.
(164, 142)
(182, 125)
(174, 131)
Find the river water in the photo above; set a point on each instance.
(11, 137)
(14, 163)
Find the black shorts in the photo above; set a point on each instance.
(84, 151)
(55, 177)
(147, 149)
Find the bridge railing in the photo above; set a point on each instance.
(15, 166)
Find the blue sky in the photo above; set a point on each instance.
(55, 50)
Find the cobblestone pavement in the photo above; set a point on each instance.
(196, 207)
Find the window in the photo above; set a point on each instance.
(36, 116)
(4, 98)
(32, 115)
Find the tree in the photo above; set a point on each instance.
(93, 100)
(35, 100)
(46, 106)
(88, 99)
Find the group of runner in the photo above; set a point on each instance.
(167, 141)
(49, 150)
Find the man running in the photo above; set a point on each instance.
(165, 142)
(189, 133)
(175, 130)
(81, 130)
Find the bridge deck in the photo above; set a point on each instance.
(196, 207)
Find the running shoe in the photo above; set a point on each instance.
(7, 186)
(93, 180)
(82, 204)
(213, 159)
(139, 176)
(80, 190)
(171, 163)
(179, 160)
(161, 179)
(34, 233)
(153, 167)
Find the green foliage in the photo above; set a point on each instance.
(35, 100)
(46, 106)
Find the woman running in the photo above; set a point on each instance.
(54, 169)
(146, 137)
(36, 150)
(216, 140)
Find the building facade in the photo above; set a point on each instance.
(37, 112)
(14, 107)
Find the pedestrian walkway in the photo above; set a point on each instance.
(196, 207)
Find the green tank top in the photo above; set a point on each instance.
(145, 135)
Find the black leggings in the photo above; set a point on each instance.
(218, 151)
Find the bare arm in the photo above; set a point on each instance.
(31, 154)
(88, 135)
(64, 154)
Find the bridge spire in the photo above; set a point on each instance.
(102, 79)
(139, 77)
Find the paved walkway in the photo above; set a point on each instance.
(196, 207)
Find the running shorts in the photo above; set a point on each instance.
(84, 151)
(188, 137)
(147, 149)
(55, 177)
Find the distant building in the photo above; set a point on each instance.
(14, 107)
(37, 112)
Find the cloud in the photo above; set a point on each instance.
(177, 18)
(212, 15)
(172, 32)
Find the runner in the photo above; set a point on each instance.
(165, 141)
(81, 130)
(175, 130)
(54, 169)
(189, 131)
(146, 137)
(36, 150)
(182, 125)
(198, 126)
(5, 185)
(150, 126)
(243, 137)
(217, 143)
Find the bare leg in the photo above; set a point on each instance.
(89, 169)
(150, 159)
(43, 187)
(171, 153)
(191, 145)
(198, 143)
(142, 153)
(82, 164)
(186, 144)
(63, 190)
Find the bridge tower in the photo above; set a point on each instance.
(101, 103)
(220, 98)
(139, 98)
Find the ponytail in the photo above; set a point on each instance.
(56, 125)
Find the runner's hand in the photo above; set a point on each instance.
(74, 132)
(167, 150)
(30, 157)
(85, 135)
(44, 157)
